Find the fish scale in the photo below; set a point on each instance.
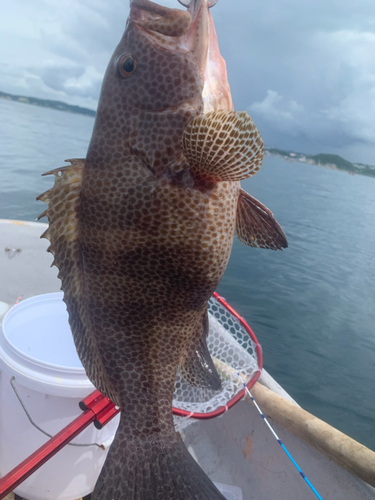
(141, 231)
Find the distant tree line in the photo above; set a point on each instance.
(326, 160)
(46, 103)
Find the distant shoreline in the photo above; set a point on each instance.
(46, 103)
(334, 162)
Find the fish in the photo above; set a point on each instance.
(141, 231)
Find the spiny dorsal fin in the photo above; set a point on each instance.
(223, 145)
(63, 202)
(197, 367)
(256, 226)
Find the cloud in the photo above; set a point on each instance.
(330, 103)
(71, 79)
(59, 77)
(354, 110)
(305, 70)
(89, 35)
(59, 50)
(284, 116)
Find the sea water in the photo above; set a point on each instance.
(312, 306)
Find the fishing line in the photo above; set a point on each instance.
(12, 380)
(279, 440)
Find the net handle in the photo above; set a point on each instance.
(249, 385)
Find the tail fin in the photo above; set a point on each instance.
(149, 468)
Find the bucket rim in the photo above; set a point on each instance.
(35, 374)
(31, 359)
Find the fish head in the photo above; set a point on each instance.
(166, 69)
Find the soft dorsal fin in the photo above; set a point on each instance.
(197, 367)
(223, 145)
(256, 226)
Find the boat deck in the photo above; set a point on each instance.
(235, 449)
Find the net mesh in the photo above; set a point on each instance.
(232, 349)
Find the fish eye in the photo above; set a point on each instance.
(187, 3)
(126, 65)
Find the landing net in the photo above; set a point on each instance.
(234, 348)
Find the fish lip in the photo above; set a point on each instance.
(191, 29)
(153, 7)
(159, 10)
(211, 3)
(193, 9)
(156, 18)
(195, 6)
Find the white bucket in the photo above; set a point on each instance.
(37, 349)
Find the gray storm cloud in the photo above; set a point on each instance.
(304, 70)
(70, 79)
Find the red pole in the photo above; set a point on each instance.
(96, 404)
(16, 476)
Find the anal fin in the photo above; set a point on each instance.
(223, 145)
(256, 226)
(197, 367)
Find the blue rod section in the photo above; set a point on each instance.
(302, 474)
(300, 471)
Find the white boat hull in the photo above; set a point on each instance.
(236, 449)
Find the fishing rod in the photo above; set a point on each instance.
(302, 474)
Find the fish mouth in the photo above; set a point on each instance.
(190, 30)
(175, 29)
(153, 17)
(194, 4)
(169, 21)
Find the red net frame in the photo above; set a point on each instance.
(222, 409)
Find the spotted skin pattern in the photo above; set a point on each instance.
(141, 239)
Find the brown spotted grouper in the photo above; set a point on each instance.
(141, 231)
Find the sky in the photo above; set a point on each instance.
(303, 69)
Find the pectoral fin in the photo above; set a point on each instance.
(256, 226)
(223, 145)
(197, 367)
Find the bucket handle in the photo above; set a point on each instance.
(13, 378)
